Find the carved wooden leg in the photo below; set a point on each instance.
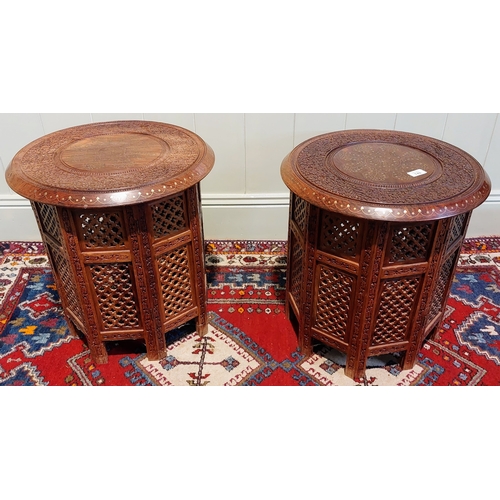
(305, 342)
(156, 353)
(287, 308)
(410, 357)
(356, 369)
(198, 258)
(97, 349)
(201, 326)
(98, 353)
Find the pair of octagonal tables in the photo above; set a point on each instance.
(376, 223)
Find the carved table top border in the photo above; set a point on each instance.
(27, 176)
(348, 199)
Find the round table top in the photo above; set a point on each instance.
(110, 163)
(386, 175)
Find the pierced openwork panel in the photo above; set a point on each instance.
(334, 294)
(168, 216)
(411, 242)
(49, 220)
(441, 286)
(175, 281)
(299, 212)
(115, 295)
(100, 229)
(63, 270)
(396, 304)
(457, 227)
(338, 235)
(297, 263)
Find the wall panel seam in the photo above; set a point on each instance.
(245, 164)
(491, 138)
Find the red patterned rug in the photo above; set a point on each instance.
(250, 341)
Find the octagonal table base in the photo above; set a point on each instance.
(368, 287)
(130, 272)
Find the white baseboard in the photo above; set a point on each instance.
(225, 217)
(17, 221)
(230, 217)
(245, 217)
(485, 220)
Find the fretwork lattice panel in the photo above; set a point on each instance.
(175, 282)
(457, 228)
(299, 212)
(396, 303)
(100, 229)
(169, 217)
(49, 220)
(334, 292)
(339, 236)
(63, 271)
(296, 278)
(410, 242)
(115, 295)
(441, 286)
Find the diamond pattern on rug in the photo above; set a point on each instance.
(481, 335)
(214, 359)
(327, 368)
(24, 375)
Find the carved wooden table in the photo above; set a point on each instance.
(376, 224)
(118, 207)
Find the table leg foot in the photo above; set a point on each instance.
(201, 328)
(99, 354)
(357, 371)
(306, 351)
(409, 361)
(157, 355)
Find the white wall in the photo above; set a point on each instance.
(244, 196)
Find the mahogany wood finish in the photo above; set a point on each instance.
(118, 206)
(376, 223)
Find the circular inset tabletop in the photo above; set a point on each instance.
(110, 163)
(382, 174)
